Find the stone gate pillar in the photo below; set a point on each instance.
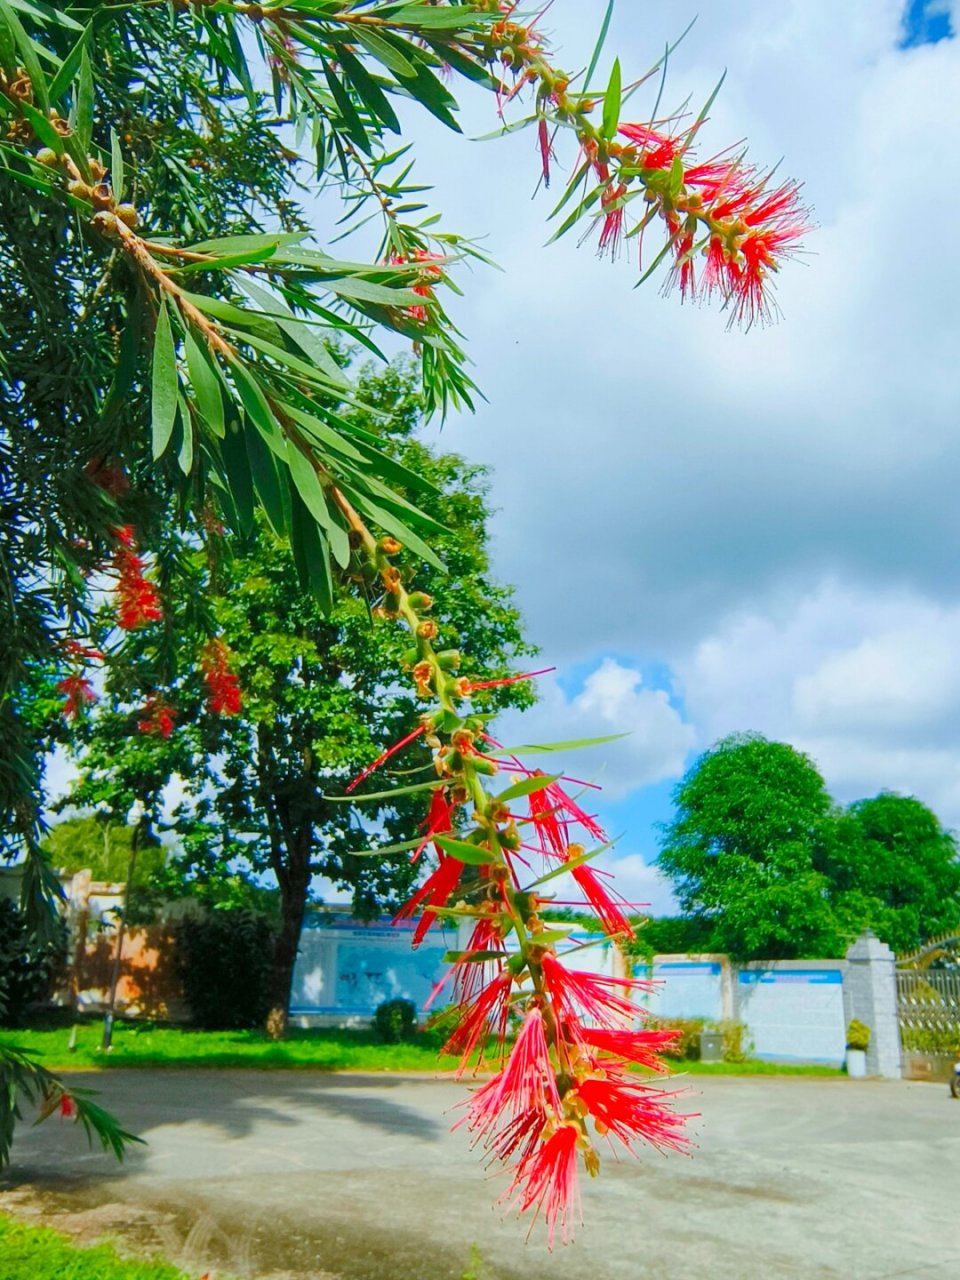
(870, 995)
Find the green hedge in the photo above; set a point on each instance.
(37, 1253)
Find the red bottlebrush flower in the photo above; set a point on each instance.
(68, 1108)
(576, 995)
(158, 717)
(470, 976)
(640, 1047)
(657, 150)
(525, 1087)
(223, 688)
(631, 1111)
(434, 892)
(602, 900)
(546, 148)
(438, 822)
(546, 1181)
(137, 600)
(74, 649)
(384, 757)
(553, 812)
(487, 1015)
(469, 686)
(79, 694)
(612, 211)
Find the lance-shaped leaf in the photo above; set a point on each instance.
(164, 384)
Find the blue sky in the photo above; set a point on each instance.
(715, 532)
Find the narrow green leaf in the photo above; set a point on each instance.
(384, 795)
(611, 103)
(308, 485)
(84, 100)
(569, 866)
(384, 51)
(526, 786)
(266, 479)
(573, 744)
(476, 957)
(164, 388)
(206, 384)
(68, 68)
(473, 854)
(598, 47)
(311, 553)
(116, 165)
(28, 54)
(259, 411)
(228, 261)
(185, 454)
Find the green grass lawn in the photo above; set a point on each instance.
(37, 1253)
(329, 1050)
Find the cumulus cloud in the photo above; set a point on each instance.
(613, 700)
(865, 681)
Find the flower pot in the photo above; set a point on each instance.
(856, 1063)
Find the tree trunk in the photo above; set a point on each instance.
(294, 887)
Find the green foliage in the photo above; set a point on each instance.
(37, 1253)
(395, 1021)
(669, 935)
(858, 1035)
(741, 851)
(27, 967)
(224, 960)
(686, 1048)
(766, 866)
(102, 847)
(895, 869)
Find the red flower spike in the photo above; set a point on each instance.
(79, 694)
(525, 1087)
(438, 822)
(435, 892)
(223, 688)
(68, 1108)
(547, 1182)
(384, 757)
(602, 901)
(546, 149)
(613, 213)
(138, 602)
(632, 1111)
(604, 1000)
(470, 685)
(158, 718)
(640, 1047)
(487, 1015)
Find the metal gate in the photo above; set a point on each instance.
(928, 1005)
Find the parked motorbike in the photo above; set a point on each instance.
(955, 1079)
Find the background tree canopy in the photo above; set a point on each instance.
(768, 867)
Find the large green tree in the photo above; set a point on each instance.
(894, 868)
(766, 865)
(263, 789)
(741, 851)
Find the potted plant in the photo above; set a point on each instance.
(858, 1040)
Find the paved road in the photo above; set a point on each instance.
(336, 1177)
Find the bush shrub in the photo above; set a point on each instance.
(858, 1035)
(224, 960)
(395, 1021)
(27, 971)
(440, 1027)
(686, 1048)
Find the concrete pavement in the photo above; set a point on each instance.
(310, 1176)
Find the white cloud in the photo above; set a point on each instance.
(612, 701)
(865, 681)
